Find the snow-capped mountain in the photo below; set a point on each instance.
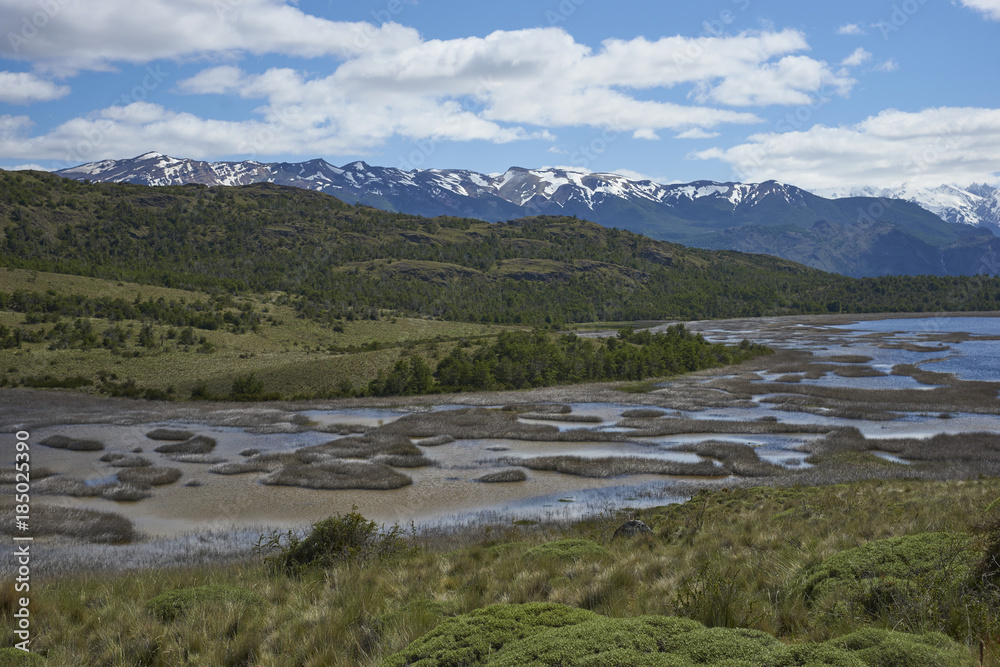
(837, 234)
(978, 204)
(514, 193)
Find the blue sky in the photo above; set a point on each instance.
(821, 95)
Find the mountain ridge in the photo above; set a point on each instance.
(754, 217)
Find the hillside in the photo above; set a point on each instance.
(863, 234)
(334, 260)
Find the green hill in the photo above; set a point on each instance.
(338, 260)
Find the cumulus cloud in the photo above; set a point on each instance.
(930, 147)
(387, 81)
(988, 8)
(69, 36)
(850, 29)
(25, 88)
(858, 57)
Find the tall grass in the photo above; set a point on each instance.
(730, 558)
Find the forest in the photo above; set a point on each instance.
(335, 260)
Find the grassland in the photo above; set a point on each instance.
(291, 355)
(806, 565)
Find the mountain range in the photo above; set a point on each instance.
(868, 232)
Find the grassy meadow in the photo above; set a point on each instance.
(868, 573)
(291, 355)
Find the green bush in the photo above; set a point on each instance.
(343, 538)
(174, 604)
(916, 583)
(544, 634)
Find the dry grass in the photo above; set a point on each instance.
(81, 524)
(71, 486)
(72, 444)
(169, 434)
(546, 408)
(644, 413)
(544, 416)
(737, 459)
(119, 460)
(616, 466)
(197, 458)
(339, 475)
(199, 444)
(152, 476)
(502, 476)
(10, 475)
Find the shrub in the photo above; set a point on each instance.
(342, 538)
(15, 657)
(545, 634)
(170, 606)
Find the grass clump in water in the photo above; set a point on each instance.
(169, 434)
(72, 444)
(152, 475)
(501, 476)
(199, 444)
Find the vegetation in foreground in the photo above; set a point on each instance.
(873, 573)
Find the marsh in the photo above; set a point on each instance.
(841, 400)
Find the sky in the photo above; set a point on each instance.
(823, 95)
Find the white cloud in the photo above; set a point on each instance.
(930, 147)
(94, 35)
(24, 167)
(25, 88)
(850, 29)
(388, 82)
(889, 65)
(697, 133)
(858, 57)
(988, 8)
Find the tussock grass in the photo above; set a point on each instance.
(72, 444)
(859, 372)
(502, 476)
(339, 475)
(77, 523)
(644, 413)
(9, 475)
(616, 466)
(169, 434)
(736, 458)
(543, 408)
(119, 460)
(470, 423)
(436, 441)
(152, 475)
(544, 416)
(850, 359)
(724, 557)
(207, 459)
(249, 452)
(198, 444)
(176, 603)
